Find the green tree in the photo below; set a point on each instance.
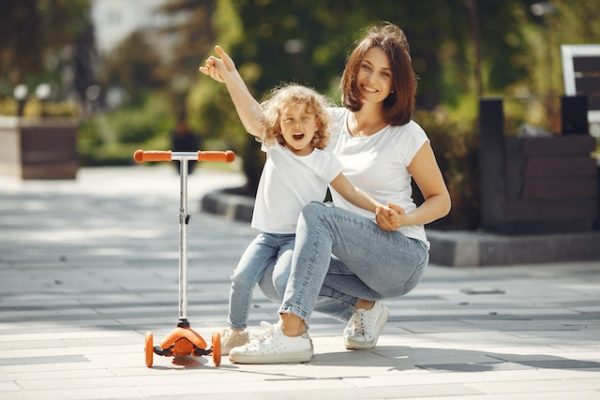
(40, 39)
(134, 65)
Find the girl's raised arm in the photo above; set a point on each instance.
(223, 70)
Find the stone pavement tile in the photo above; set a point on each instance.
(575, 348)
(72, 350)
(47, 314)
(473, 366)
(76, 394)
(550, 356)
(587, 309)
(538, 324)
(573, 395)
(474, 335)
(158, 381)
(81, 334)
(564, 336)
(424, 326)
(302, 389)
(74, 358)
(588, 373)
(422, 356)
(56, 375)
(8, 386)
(537, 386)
(439, 377)
(62, 325)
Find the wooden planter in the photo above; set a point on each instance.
(38, 148)
(538, 184)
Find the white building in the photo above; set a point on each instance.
(115, 19)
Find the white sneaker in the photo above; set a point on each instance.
(231, 338)
(273, 347)
(364, 327)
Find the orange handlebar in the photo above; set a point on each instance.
(224, 156)
(141, 156)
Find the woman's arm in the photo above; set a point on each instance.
(428, 177)
(223, 70)
(348, 191)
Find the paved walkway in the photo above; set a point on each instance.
(86, 267)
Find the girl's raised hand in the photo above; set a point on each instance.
(218, 68)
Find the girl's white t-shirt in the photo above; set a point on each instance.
(288, 183)
(378, 164)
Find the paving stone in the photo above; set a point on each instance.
(76, 358)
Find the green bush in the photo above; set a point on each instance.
(111, 139)
(35, 108)
(138, 125)
(455, 144)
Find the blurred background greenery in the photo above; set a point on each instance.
(130, 94)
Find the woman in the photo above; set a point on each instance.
(343, 263)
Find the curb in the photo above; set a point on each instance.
(232, 206)
(456, 248)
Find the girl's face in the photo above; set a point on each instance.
(298, 128)
(374, 77)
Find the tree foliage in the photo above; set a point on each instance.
(135, 66)
(41, 39)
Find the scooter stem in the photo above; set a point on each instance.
(184, 219)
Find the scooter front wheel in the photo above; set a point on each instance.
(216, 348)
(149, 349)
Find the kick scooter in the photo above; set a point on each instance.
(183, 340)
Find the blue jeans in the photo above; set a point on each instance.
(368, 263)
(266, 253)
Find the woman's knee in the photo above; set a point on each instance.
(314, 212)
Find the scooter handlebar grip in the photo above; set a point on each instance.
(141, 156)
(223, 156)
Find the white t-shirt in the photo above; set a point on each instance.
(288, 183)
(378, 164)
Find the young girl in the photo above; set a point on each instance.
(293, 129)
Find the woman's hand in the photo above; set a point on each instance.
(391, 217)
(218, 68)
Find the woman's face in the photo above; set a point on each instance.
(374, 77)
(298, 128)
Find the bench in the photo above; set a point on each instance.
(581, 74)
(534, 184)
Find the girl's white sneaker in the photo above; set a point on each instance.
(231, 338)
(273, 347)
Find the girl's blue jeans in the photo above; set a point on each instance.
(341, 257)
(267, 252)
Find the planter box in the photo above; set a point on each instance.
(38, 148)
(535, 185)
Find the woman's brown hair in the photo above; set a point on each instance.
(399, 105)
(294, 94)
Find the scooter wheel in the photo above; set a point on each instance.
(216, 348)
(149, 349)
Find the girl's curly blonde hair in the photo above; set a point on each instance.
(294, 94)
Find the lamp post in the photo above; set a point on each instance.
(545, 10)
(20, 93)
(42, 92)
